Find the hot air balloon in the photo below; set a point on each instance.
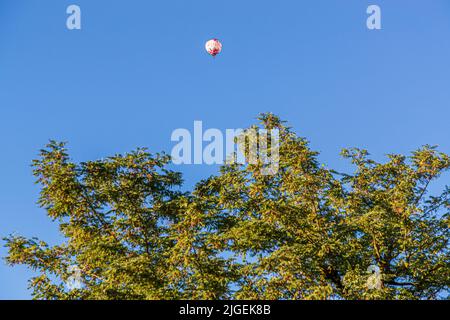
(213, 47)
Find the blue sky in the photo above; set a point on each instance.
(137, 70)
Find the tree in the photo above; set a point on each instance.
(304, 232)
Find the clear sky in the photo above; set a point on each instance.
(138, 70)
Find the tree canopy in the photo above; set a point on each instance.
(304, 232)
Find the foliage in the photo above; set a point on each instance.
(305, 232)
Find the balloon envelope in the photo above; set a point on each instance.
(213, 47)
